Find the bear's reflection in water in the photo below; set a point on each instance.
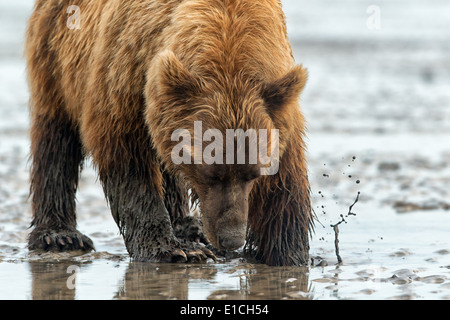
(50, 280)
(145, 281)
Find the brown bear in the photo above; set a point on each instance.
(119, 85)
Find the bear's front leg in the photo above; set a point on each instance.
(144, 221)
(279, 226)
(176, 201)
(56, 161)
(280, 215)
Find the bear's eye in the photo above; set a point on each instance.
(215, 179)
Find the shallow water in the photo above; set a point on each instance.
(386, 256)
(378, 108)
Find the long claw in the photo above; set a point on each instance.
(179, 256)
(210, 254)
(48, 240)
(80, 241)
(192, 256)
(201, 254)
(61, 242)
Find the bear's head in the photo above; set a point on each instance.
(222, 134)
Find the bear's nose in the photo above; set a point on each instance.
(230, 244)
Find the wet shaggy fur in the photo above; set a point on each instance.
(135, 72)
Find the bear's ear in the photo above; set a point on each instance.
(285, 90)
(174, 80)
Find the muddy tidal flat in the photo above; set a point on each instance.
(378, 111)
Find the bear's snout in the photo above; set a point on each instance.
(230, 244)
(226, 230)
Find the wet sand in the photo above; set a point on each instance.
(378, 108)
